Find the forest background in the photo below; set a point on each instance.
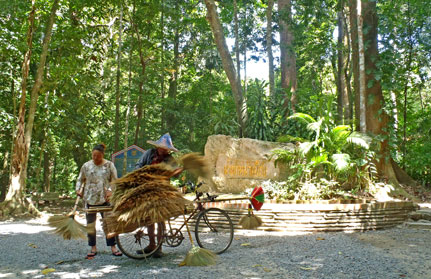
(74, 73)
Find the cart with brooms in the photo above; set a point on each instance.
(213, 228)
(145, 197)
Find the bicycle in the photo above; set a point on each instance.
(213, 230)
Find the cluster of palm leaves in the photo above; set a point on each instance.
(331, 153)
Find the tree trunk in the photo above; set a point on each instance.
(406, 86)
(14, 202)
(162, 77)
(342, 96)
(348, 69)
(36, 88)
(41, 158)
(126, 125)
(287, 53)
(228, 66)
(269, 47)
(236, 31)
(377, 118)
(173, 82)
(118, 95)
(355, 59)
(47, 164)
(362, 76)
(141, 78)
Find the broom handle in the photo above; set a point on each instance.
(77, 200)
(188, 230)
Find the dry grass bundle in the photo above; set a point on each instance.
(112, 227)
(154, 207)
(196, 164)
(127, 200)
(199, 257)
(145, 196)
(139, 177)
(250, 222)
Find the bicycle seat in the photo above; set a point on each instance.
(211, 197)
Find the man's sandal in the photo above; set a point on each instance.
(117, 254)
(91, 255)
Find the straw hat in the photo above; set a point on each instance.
(165, 142)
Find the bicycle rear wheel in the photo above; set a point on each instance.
(132, 244)
(214, 230)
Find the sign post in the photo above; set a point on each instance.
(134, 152)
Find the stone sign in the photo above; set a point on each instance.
(239, 164)
(134, 152)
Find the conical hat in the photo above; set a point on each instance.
(165, 142)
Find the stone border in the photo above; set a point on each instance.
(322, 216)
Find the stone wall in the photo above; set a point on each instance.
(238, 164)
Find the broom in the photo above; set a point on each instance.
(251, 221)
(67, 227)
(198, 256)
(196, 164)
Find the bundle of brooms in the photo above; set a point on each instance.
(145, 196)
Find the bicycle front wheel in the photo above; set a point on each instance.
(133, 244)
(214, 230)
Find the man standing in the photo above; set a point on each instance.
(159, 154)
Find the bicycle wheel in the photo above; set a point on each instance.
(214, 230)
(132, 244)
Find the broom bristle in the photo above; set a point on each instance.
(199, 257)
(67, 227)
(196, 164)
(250, 222)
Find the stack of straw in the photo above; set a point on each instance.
(145, 196)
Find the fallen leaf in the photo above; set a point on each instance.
(320, 238)
(47, 270)
(59, 262)
(305, 268)
(32, 245)
(237, 238)
(257, 265)
(245, 244)
(340, 253)
(266, 269)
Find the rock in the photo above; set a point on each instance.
(243, 163)
(422, 224)
(424, 214)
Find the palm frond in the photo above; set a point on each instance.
(305, 147)
(341, 161)
(359, 139)
(307, 119)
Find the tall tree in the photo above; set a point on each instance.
(287, 53)
(228, 66)
(377, 120)
(355, 58)
(361, 76)
(117, 86)
(173, 80)
(269, 47)
(343, 110)
(236, 32)
(14, 198)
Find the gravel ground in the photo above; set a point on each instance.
(27, 247)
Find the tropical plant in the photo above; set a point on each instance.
(334, 153)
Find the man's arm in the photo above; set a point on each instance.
(145, 159)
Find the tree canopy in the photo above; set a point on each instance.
(160, 60)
